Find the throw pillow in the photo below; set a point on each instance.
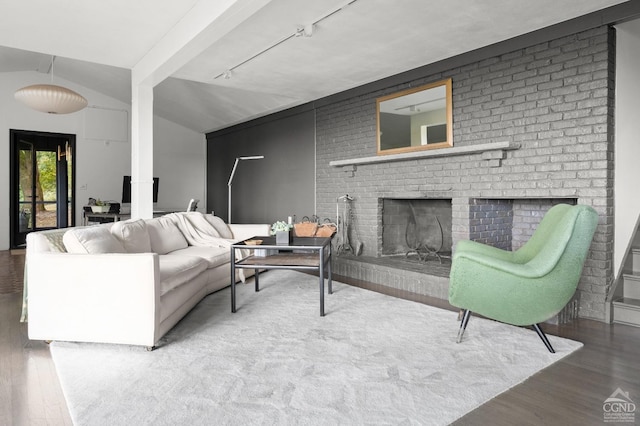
(91, 240)
(165, 236)
(55, 241)
(133, 235)
(219, 225)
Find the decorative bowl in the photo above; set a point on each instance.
(253, 242)
(100, 209)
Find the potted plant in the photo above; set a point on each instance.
(282, 231)
(100, 207)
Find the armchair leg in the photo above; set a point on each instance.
(463, 324)
(544, 338)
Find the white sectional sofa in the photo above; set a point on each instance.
(126, 282)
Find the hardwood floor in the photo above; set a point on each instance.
(570, 392)
(30, 392)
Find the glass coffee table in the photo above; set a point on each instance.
(303, 253)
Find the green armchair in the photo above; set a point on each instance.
(530, 285)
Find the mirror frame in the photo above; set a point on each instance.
(449, 116)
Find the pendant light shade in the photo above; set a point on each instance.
(51, 99)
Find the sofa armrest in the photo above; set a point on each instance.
(108, 298)
(242, 231)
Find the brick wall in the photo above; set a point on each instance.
(527, 215)
(491, 222)
(555, 99)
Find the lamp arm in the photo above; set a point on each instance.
(233, 172)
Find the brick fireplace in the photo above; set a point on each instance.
(532, 128)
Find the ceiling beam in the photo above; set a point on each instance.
(204, 24)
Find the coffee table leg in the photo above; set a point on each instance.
(329, 273)
(255, 275)
(233, 280)
(321, 273)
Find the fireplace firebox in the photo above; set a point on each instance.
(416, 228)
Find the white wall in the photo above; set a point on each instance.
(627, 138)
(179, 159)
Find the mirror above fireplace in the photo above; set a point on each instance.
(415, 119)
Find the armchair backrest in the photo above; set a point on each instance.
(554, 233)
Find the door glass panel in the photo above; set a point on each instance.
(46, 190)
(25, 192)
(70, 211)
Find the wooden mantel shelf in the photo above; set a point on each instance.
(434, 153)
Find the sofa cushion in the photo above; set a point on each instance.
(220, 226)
(91, 240)
(165, 236)
(178, 270)
(133, 235)
(214, 256)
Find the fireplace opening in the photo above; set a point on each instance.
(418, 229)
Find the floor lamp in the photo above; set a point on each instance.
(233, 172)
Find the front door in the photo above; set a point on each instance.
(42, 177)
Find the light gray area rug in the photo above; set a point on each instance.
(373, 359)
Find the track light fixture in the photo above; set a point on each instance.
(301, 31)
(304, 30)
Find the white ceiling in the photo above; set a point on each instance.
(97, 43)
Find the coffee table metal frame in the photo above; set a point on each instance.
(304, 253)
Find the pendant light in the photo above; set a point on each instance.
(50, 98)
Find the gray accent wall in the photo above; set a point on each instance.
(274, 188)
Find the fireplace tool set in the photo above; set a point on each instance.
(345, 222)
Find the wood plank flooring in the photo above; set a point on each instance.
(30, 393)
(570, 392)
